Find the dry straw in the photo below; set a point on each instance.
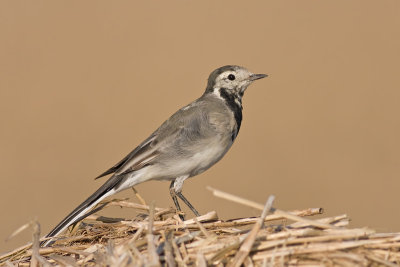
(158, 237)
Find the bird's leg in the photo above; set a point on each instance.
(176, 186)
(173, 195)
(179, 194)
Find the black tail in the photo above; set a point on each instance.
(81, 212)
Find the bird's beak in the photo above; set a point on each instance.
(254, 77)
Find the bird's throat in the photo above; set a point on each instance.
(234, 102)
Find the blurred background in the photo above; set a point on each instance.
(83, 83)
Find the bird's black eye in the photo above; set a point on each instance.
(231, 77)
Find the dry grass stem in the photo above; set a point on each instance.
(151, 246)
(139, 197)
(162, 238)
(251, 237)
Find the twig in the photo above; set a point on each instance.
(139, 197)
(249, 241)
(153, 257)
(202, 229)
(210, 216)
(168, 249)
(249, 203)
(36, 258)
(237, 199)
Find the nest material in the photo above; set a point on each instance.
(160, 238)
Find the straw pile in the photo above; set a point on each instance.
(158, 237)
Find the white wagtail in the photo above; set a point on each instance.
(188, 143)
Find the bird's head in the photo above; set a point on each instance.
(234, 79)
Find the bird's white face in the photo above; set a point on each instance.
(237, 80)
(232, 80)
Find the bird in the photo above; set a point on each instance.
(191, 141)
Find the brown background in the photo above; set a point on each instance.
(82, 83)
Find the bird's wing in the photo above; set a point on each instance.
(142, 148)
(187, 123)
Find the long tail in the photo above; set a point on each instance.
(107, 189)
